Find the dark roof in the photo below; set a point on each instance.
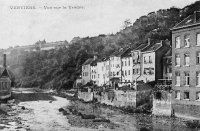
(91, 61)
(141, 46)
(120, 51)
(5, 73)
(152, 47)
(127, 53)
(88, 61)
(169, 52)
(189, 21)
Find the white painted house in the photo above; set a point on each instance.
(103, 72)
(127, 65)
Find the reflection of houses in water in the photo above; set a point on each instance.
(5, 82)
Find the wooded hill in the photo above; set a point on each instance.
(59, 68)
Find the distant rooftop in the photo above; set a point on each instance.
(152, 47)
(120, 52)
(191, 20)
(90, 61)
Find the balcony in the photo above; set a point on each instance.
(164, 84)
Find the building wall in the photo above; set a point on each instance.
(93, 73)
(85, 74)
(163, 106)
(137, 65)
(115, 66)
(127, 69)
(186, 107)
(159, 60)
(86, 96)
(101, 71)
(147, 65)
(107, 71)
(167, 67)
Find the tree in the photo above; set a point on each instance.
(127, 23)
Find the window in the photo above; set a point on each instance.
(187, 40)
(177, 78)
(170, 69)
(117, 73)
(125, 73)
(122, 63)
(146, 71)
(177, 42)
(150, 60)
(177, 95)
(198, 39)
(129, 72)
(187, 78)
(198, 57)
(186, 95)
(197, 95)
(145, 61)
(177, 60)
(138, 71)
(198, 79)
(187, 59)
(125, 63)
(98, 76)
(129, 63)
(133, 71)
(151, 71)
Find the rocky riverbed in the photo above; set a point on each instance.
(43, 111)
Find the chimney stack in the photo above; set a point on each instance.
(4, 60)
(149, 41)
(195, 17)
(95, 57)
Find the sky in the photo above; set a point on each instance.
(89, 18)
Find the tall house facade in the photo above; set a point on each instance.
(137, 63)
(152, 61)
(167, 65)
(102, 69)
(127, 67)
(115, 66)
(89, 70)
(186, 67)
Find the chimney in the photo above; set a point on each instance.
(95, 57)
(149, 41)
(195, 17)
(4, 60)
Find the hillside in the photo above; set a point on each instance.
(59, 68)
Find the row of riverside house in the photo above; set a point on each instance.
(127, 66)
(158, 62)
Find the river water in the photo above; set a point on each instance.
(41, 113)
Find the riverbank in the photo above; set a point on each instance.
(143, 121)
(47, 111)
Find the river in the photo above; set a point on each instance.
(40, 112)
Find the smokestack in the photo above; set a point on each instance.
(4, 60)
